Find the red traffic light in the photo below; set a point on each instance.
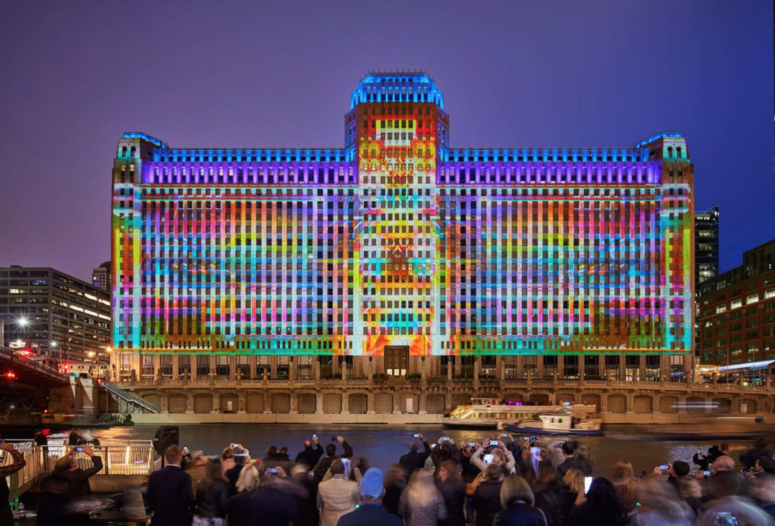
(10, 375)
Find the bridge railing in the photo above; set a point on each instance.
(133, 457)
(21, 361)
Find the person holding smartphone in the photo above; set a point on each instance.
(6, 514)
(311, 454)
(325, 463)
(415, 460)
(501, 457)
(67, 483)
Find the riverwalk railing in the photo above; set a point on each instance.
(132, 398)
(127, 457)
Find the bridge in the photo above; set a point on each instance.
(19, 367)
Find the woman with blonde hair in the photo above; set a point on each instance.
(626, 485)
(248, 479)
(517, 501)
(573, 491)
(422, 504)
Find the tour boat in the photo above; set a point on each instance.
(561, 423)
(491, 413)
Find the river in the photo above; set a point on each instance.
(383, 445)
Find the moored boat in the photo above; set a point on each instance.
(562, 423)
(491, 413)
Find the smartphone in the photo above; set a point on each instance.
(699, 452)
(272, 470)
(587, 484)
(536, 452)
(314, 435)
(185, 448)
(746, 473)
(533, 438)
(416, 435)
(493, 442)
(505, 435)
(710, 465)
(445, 439)
(706, 473)
(487, 458)
(664, 467)
(232, 446)
(472, 445)
(79, 449)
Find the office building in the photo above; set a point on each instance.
(399, 246)
(706, 245)
(100, 277)
(53, 314)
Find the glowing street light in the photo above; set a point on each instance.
(22, 322)
(53, 343)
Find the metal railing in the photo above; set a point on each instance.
(132, 457)
(132, 398)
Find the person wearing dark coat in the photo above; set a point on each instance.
(67, 483)
(241, 457)
(74, 439)
(702, 460)
(311, 455)
(395, 484)
(308, 502)
(170, 494)
(40, 439)
(413, 460)
(325, 463)
(487, 497)
(759, 450)
(453, 489)
(212, 493)
(270, 504)
(371, 512)
(517, 501)
(602, 507)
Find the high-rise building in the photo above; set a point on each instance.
(400, 245)
(706, 245)
(737, 311)
(54, 314)
(100, 277)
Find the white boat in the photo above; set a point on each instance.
(560, 423)
(492, 413)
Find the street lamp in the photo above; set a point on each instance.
(22, 322)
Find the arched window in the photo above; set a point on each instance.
(123, 151)
(669, 151)
(678, 152)
(133, 151)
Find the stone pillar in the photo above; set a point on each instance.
(267, 401)
(316, 366)
(477, 366)
(294, 404)
(681, 405)
(232, 367)
(318, 403)
(241, 402)
(450, 367)
(642, 368)
(520, 366)
(582, 370)
(216, 403)
(539, 370)
(560, 368)
(344, 371)
(252, 362)
(630, 402)
(211, 361)
(501, 368)
(189, 404)
(175, 366)
(266, 376)
(622, 368)
(371, 371)
(423, 409)
(291, 370)
(396, 407)
(370, 400)
(345, 402)
(422, 368)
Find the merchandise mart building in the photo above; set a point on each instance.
(399, 255)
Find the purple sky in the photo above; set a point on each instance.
(75, 75)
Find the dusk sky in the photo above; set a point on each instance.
(75, 75)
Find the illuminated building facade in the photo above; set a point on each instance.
(399, 245)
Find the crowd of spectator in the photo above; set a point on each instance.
(495, 481)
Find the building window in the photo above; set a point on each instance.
(222, 366)
(304, 368)
(184, 366)
(126, 367)
(445, 364)
(488, 368)
(283, 367)
(203, 366)
(466, 366)
(148, 369)
(510, 367)
(166, 366)
(243, 367)
(326, 366)
(262, 364)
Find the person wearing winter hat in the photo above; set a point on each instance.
(371, 511)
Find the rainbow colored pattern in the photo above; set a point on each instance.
(399, 240)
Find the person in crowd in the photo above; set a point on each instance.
(573, 491)
(241, 458)
(487, 500)
(602, 507)
(170, 495)
(548, 492)
(556, 454)
(74, 438)
(337, 496)
(196, 468)
(763, 490)
(277, 457)
(414, 460)
(307, 502)
(453, 489)
(6, 514)
(660, 506)
(67, 483)
(703, 460)
(676, 471)
(518, 502)
(690, 492)
(371, 512)
(442, 451)
(212, 496)
(325, 463)
(501, 457)
(40, 439)
(395, 484)
(582, 455)
(422, 504)
(272, 502)
(227, 459)
(248, 479)
(310, 456)
(759, 450)
(571, 462)
(726, 507)
(765, 466)
(626, 486)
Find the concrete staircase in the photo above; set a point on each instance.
(131, 398)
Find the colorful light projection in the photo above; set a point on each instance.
(397, 240)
